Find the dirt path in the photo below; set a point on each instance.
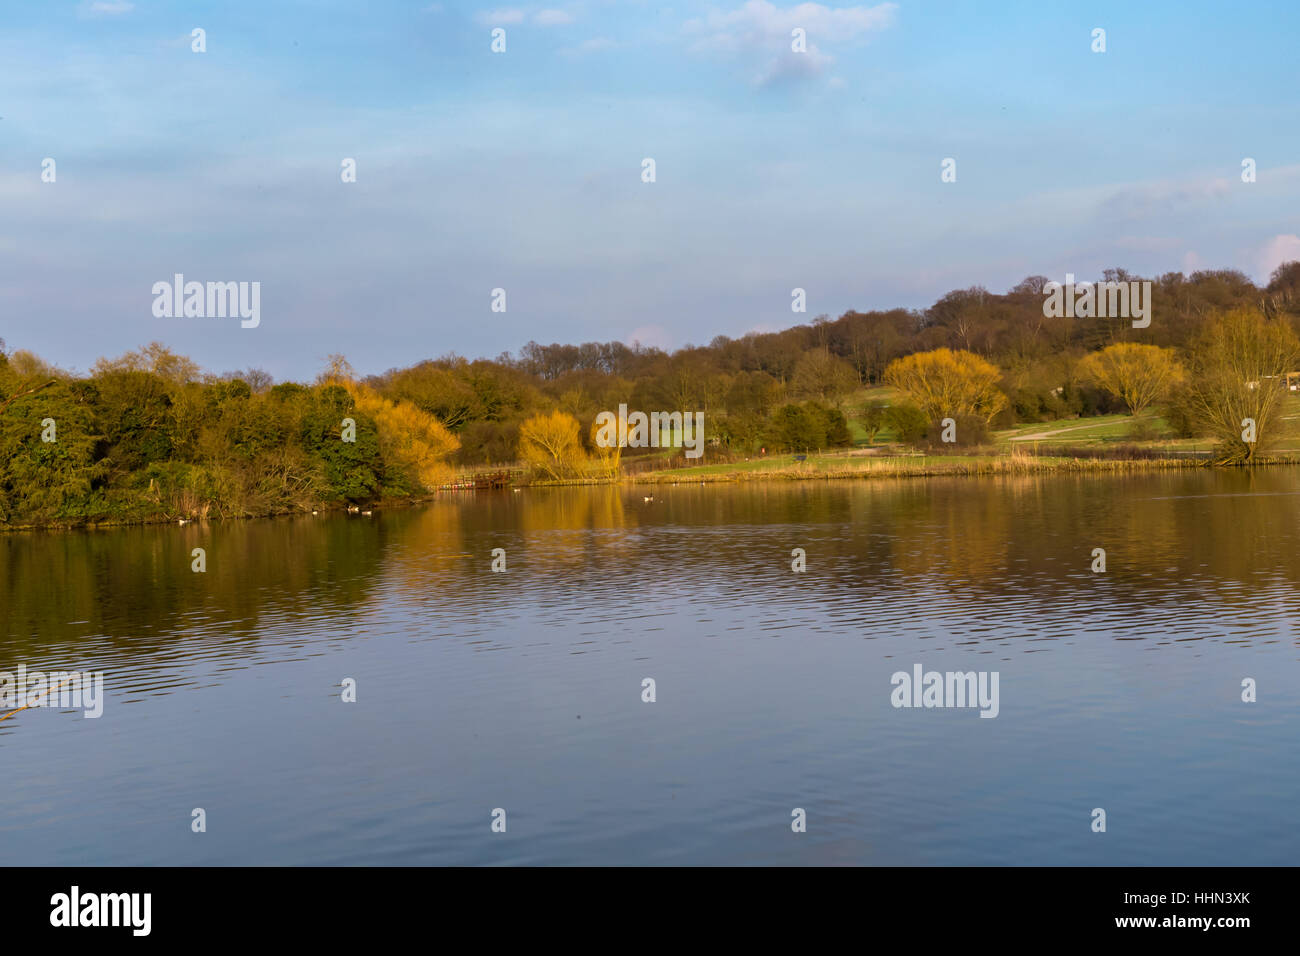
(1047, 434)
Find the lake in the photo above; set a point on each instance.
(477, 690)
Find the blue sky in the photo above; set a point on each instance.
(522, 170)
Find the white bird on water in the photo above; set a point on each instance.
(182, 520)
(650, 498)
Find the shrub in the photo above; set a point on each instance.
(908, 423)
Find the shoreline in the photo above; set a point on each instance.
(867, 470)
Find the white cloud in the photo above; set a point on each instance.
(499, 17)
(790, 67)
(1162, 197)
(760, 31)
(105, 8)
(654, 336)
(551, 18)
(759, 18)
(1279, 249)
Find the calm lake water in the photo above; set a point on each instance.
(523, 690)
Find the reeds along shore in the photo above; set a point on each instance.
(909, 467)
(886, 468)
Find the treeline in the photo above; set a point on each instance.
(794, 389)
(149, 435)
(146, 437)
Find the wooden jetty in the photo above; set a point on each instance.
(486, 481)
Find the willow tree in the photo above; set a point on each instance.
(949, 384)
(550, 444)
(609, 455)
(410, 437)
(1235, 390)
(1137, 375)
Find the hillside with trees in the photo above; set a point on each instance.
(150, 436)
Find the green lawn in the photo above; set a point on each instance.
(1116, 428)
(1070, 432)
(814, 463)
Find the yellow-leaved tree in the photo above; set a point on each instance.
(409, 436)
(1135, 374)
(549, 443)
(608, 456)
(946, 383)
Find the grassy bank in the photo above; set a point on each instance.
(907, 466)
(1103, 443)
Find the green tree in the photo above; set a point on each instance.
(41, 480)
(908, 423)
(872, 419)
